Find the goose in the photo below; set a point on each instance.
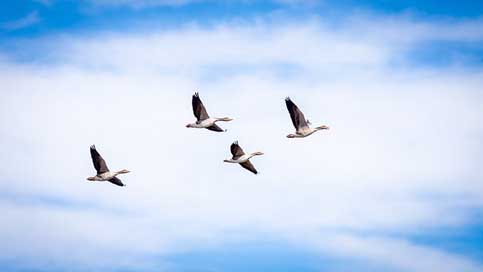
(103, 172)
(203, 119)
(241, 158)
(302, 126)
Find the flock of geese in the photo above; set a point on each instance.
(203, 120)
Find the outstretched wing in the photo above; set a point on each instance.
(215, 127)
(116, 181)
(98, 161)
(298, 118)
(198, 109)
(249, 166)
(236, 150)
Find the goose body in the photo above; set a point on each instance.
(203, 120)
(302, 126)
(103, 173)
(107, 176)
(241, 158)
(205, 123)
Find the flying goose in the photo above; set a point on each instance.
(302, 126)
(103, 172)
(243, 159)
(203, 119)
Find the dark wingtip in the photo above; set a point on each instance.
(235, 142)
(93, 147)
(287, 98)
(196, 94)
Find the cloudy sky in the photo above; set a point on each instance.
(395, 185)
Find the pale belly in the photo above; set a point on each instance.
(206, 123)
(305, 132)
(243, 158)
(106, 176)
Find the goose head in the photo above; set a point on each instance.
(258, 153)
(91, 178)
(291, 136)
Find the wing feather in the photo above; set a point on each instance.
(298, 118)
(98, 161)
(216, 128)
(116, 181)
(236, 150)
(249, 166)
(199, 109)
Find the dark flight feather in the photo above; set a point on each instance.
(199, 109)
(215, 127)
(98, 161)
(298, 118)
(116, 181)
(249, 166)
(236, 150)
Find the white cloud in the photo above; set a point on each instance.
(402, 154)
(30, 19)
(409, 257)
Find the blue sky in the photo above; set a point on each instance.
(395, 185)
(27, 19)
(60, 16)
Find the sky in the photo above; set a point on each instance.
(395, 185)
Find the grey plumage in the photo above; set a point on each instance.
(298, 118)
(199, 109)
(99, 163)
